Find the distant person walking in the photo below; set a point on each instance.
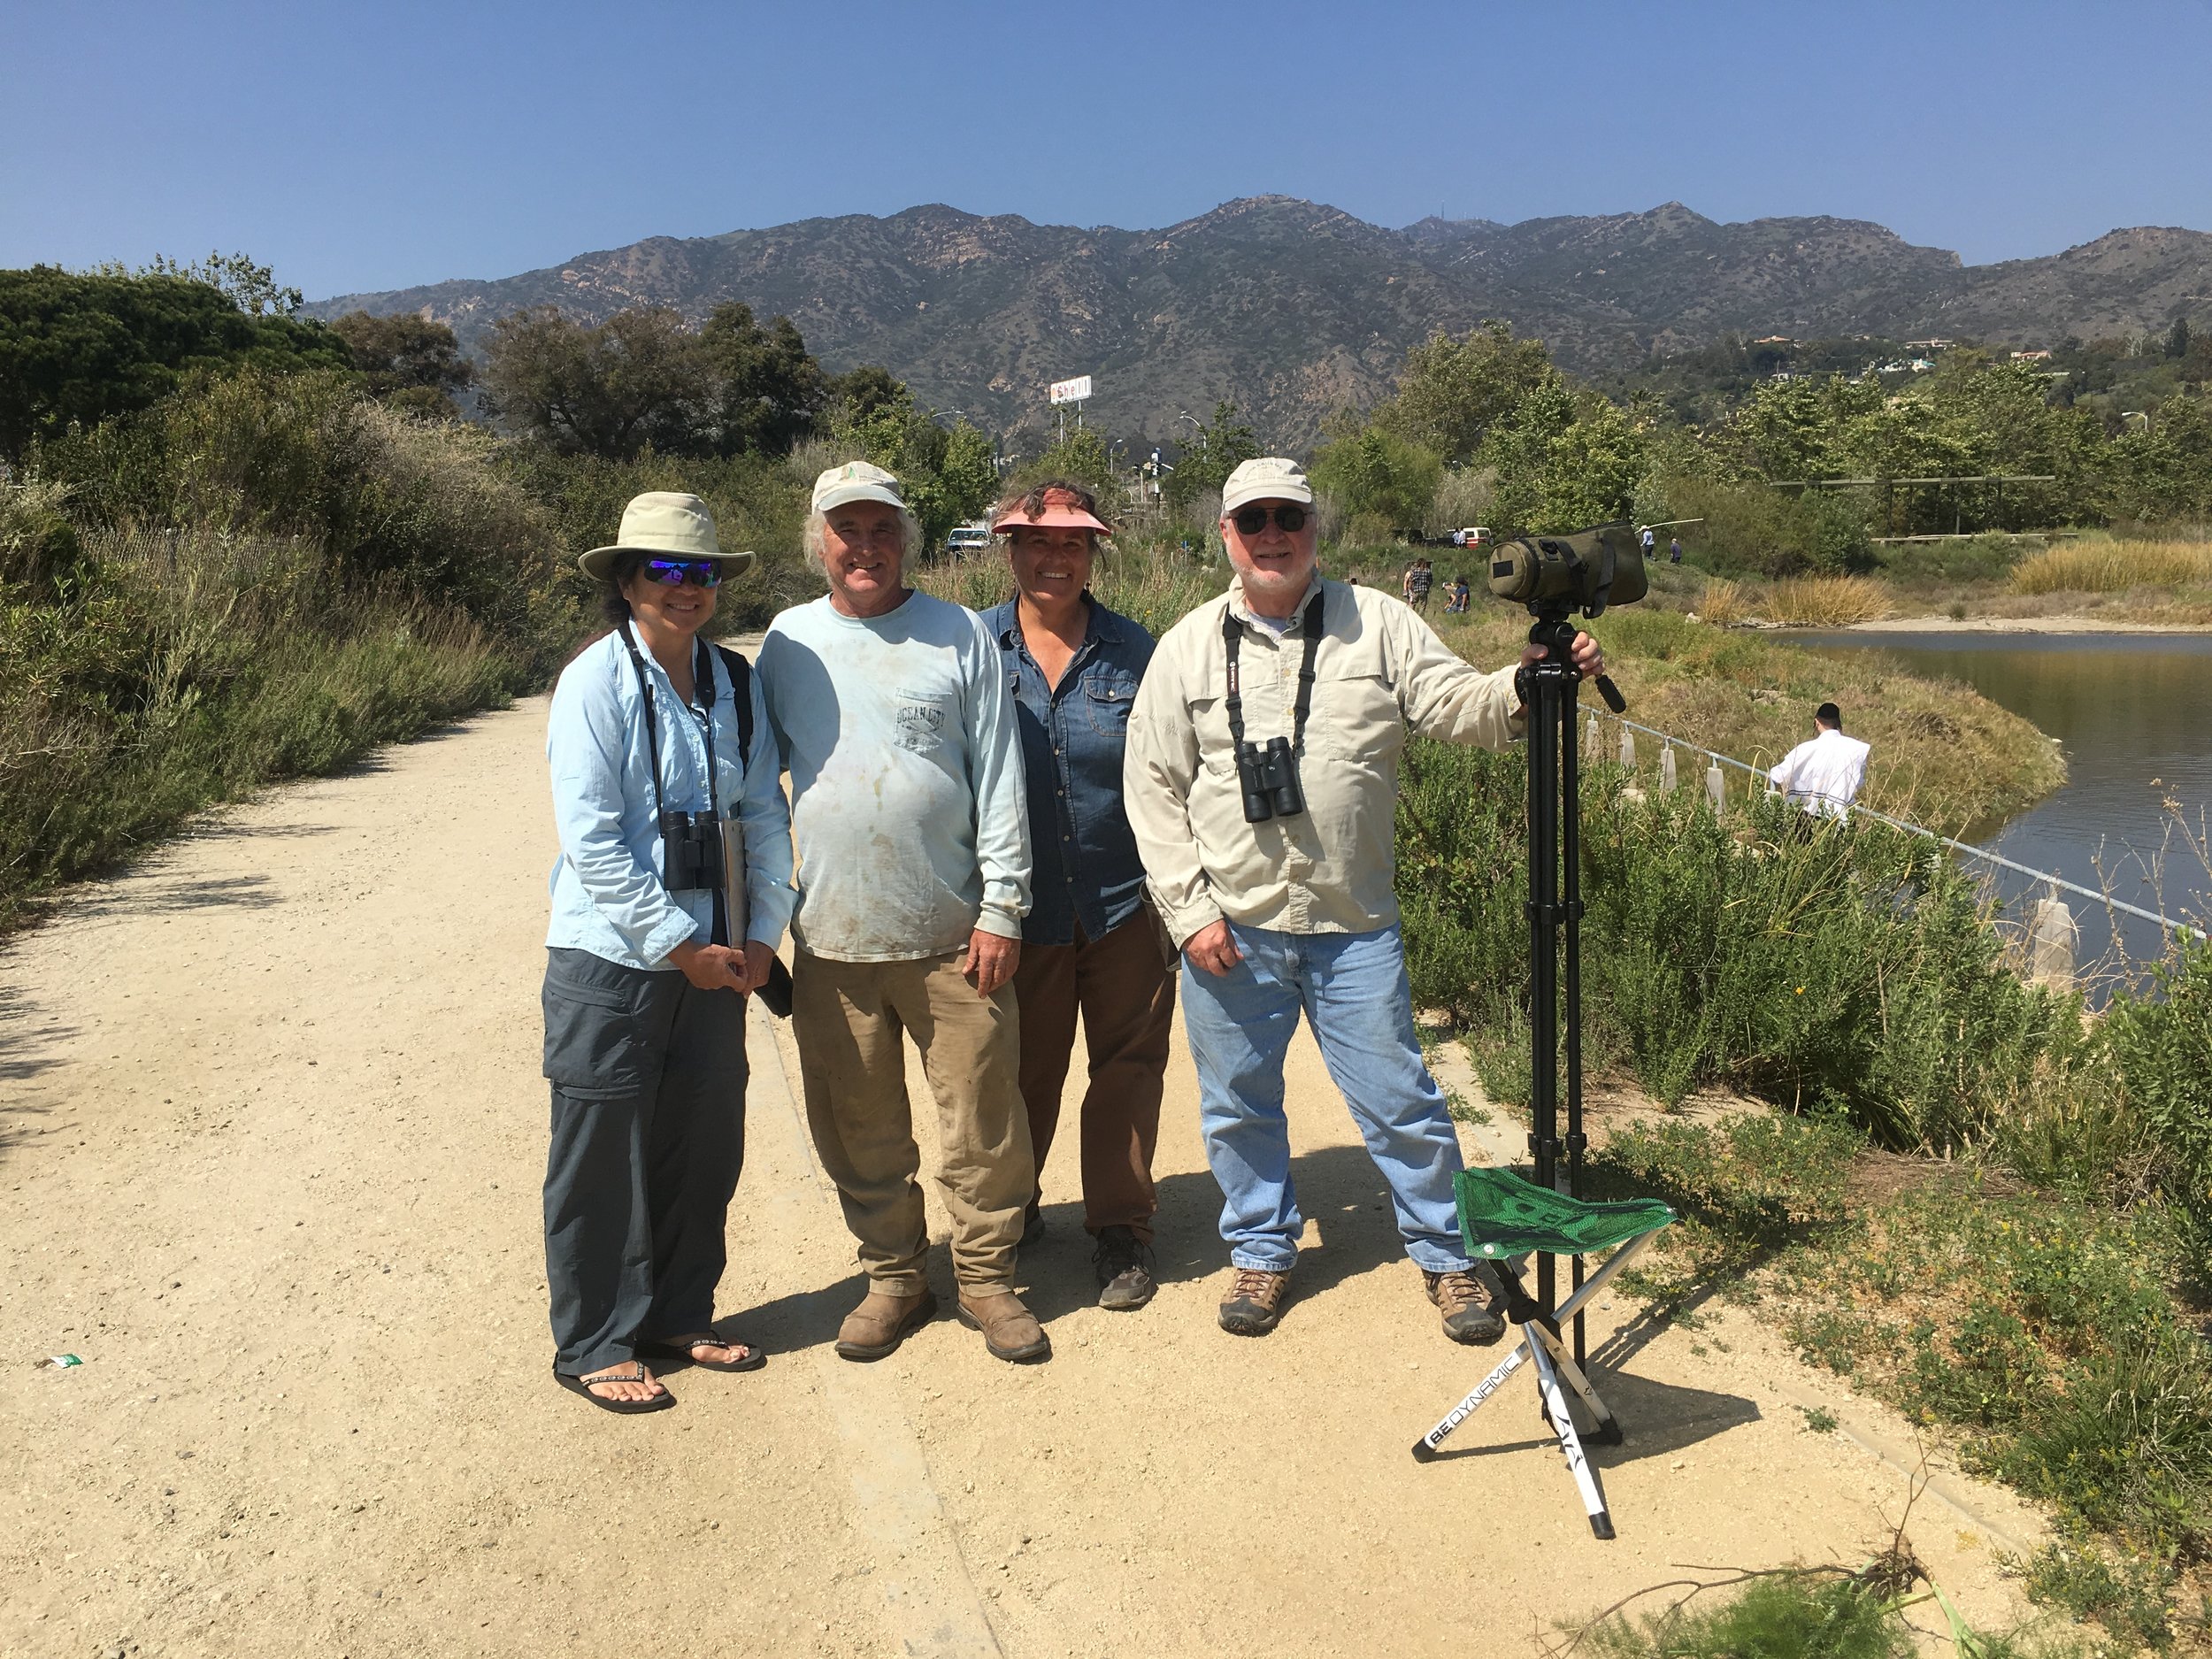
(1091, 943)
(654, 735)
(1650, 543)
(1674, 549)
(1824, 774)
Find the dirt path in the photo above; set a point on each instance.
(271, 1135)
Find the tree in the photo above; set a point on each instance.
(860, 395)
(638, 378)
(769, 391)
(1455, 388)
(1592, 469)
(79, 349)
(1082, 455)
(960, 488)
(1374, 473)
(251, 287)
(1212, 455)
(946, 476)
(1518, 447)
(408, 360)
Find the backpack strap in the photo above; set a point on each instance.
(741, 672)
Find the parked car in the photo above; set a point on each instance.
(969, 538)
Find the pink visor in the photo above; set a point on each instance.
(1062, 512)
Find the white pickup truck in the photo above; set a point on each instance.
(969, 538)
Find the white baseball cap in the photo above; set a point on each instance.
(667, 522)
(856, 481)
(1269, 478)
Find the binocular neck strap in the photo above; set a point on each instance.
(702, 670)
(1232, 638)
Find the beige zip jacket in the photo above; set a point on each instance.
(1380, 671)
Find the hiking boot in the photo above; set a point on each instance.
(1255, 1302)
(1124, 1263)
(881, 1322)
(1468, 1305)
(1010, 1330)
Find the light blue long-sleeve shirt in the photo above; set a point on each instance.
(607, 897)
(908, 807)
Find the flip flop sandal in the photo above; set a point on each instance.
(660, 1401)
(679, 1348)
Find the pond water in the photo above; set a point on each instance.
(2133, 715)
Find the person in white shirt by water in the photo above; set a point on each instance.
(1823, 774)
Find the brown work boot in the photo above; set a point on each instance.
(1010, 1330)
(1468, 1305)
(1124, 1264)
(876, 1327)
(1255, 1302)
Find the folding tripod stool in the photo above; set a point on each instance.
(1502, 1216)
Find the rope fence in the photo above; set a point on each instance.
(1983, 853)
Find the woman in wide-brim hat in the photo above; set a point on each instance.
(653, 730)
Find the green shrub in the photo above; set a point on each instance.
(2045, 1329)
(182, 671)
(1988, 558)
(1812, 963)
(2159, 1051)
(1748, 529)
(1789, 1615)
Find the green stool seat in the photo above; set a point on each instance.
(1502, 1215)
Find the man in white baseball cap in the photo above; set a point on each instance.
(1262, 780)
(912, 832)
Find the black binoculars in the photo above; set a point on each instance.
(693, 843)
(1269, 776)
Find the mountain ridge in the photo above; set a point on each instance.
(1293, 308)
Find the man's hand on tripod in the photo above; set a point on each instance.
(1589, 660)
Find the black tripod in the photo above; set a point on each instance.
(1554, 905)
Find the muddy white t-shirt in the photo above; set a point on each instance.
(907, 808)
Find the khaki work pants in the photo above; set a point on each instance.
(1125, 990)
(848, 1020)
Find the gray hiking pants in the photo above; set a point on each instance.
(649, 1135)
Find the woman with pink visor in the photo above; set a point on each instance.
(1091, 941)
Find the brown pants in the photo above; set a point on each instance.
(847, 1019)
(1126, 994)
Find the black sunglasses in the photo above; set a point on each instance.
(1252, 520)
(676, 572)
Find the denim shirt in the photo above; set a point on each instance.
(606, 889)
(1086, 867)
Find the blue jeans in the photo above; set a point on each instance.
(1352, 987)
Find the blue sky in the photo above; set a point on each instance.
(368, 147)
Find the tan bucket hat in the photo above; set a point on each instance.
(668, 524)
(1267, 478)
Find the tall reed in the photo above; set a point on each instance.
(2111, 567)
(1825, 602)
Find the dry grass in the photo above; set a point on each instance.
(2112, 567)
(1725, 603)
(1826, 601)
